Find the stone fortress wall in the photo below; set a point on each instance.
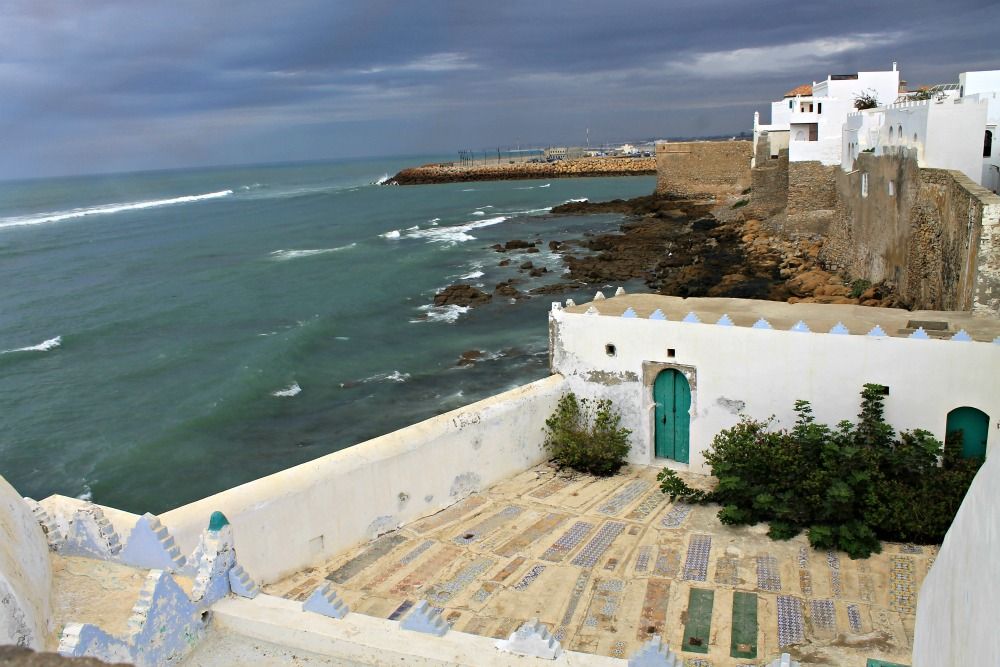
(702, 168)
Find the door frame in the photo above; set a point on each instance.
(650, 369)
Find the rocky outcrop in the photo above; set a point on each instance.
(461, 295)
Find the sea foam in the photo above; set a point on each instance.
(58, 216)
(455, 233)
(291, 390)
(284, 255)
(44, 346)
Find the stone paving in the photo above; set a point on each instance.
(605, 563)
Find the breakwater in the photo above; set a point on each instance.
(448, 172)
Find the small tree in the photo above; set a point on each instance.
(587, 436)
(865, 100)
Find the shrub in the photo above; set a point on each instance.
(858, 287)
(848, 486)
(741, 203)
(587, 436)
(866, 100)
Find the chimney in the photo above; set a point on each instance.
(893, 65)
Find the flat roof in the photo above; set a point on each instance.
(819, 317)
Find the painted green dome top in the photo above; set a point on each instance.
(217, 521)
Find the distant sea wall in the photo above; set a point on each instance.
(589, 166)
(702, 168)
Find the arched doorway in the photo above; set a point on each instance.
(672, 395)
(974, 425)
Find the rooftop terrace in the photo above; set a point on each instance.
(608, 562)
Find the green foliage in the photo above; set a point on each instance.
(741, 203)
(587, 436)
(921, 94)
(858, 287)
(865, 100)
(849, 486)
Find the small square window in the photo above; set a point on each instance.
(671, 353)
(610, 349)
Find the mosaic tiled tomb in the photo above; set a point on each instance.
(698, 629)
(624, 498)
(854, 618)
(552, 486)
(533, 533)
(444, 517)
(833, 561)
(443, 592)
(604, 604)
(366, 558)
(743, 635)
(529, 577)
(676, 516)
(487, 525)
(427, 570)
(590, 554)
(668, 563)
(823, 615)
(647, 506)
(768, 573)
(727, 571)
(902, 591)
(642, 556)
(654, 609)
(790, 623)
(568, 541)
(696, 563)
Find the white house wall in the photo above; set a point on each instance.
(734, 369)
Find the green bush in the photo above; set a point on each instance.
(741, 203)
(587, 436)
(849, 487)
(858, 287)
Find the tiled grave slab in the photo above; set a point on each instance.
(676, 516)
(698, 629)
(866, 587)
(668, 562)
(654, 609)
(744, 628)
(648, 505)
(531, 534)
(366, 558)
(443, 592)
(444, 517)
(487, 525)
(642, 557)
(416, 552)
(548, 488)
(833, 561)
(508, 569)
(902, 590)
(529, 577)
(427, 570)
(790, 623)
(854, 618)
(387, 572)
(768, 573)
(696, 563)
(574, 597)
(911, 549)
(603, 604)
(401, 610)
(590, 554)
(727, 571)
(568, 541)
(618, 502)
(823, 615)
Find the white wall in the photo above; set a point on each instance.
(984, 81)
(765, 371)
(25, 575)
(304, 515)
(957, 606)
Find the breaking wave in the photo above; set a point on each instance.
(394, 376)
(291, 390)
(394, 234)
(448, 314)
(455, 233)
(283, 255)
(58, 216)
(44, 346)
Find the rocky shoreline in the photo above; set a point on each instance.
(575, 168)
(682, 247)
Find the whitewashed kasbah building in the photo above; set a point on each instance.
(451, 516)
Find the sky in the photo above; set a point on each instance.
(119, 85)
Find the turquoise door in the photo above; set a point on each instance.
(672, 395)
(974, 425)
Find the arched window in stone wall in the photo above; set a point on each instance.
(890, 134)
(899, 133)
(988, 144)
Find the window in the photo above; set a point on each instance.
(988, 144)
(899, 133)
(864, 184)
(819, 107)
(890, 135)
(671, 353)
(791, 104)
(610, 350)
(892, 188)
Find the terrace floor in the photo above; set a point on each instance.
(607, 562)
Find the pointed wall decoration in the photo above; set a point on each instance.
(877, 332)
(762, 324)
(691, 318)
(324, 600)
(800, 326)
(85, 639)
(839, 329)
(592, 311)
(150, 546)
(532, 639)
(570, 303)
(92, 535)
(241, 584)
(556, 307)
(211, 561)
(426, 619)
(53, 535)
(919, 334)
(164, 623)
(599, 296)
(620, 291)
(658, 315)
(725, 321)
(654, 653)
(962, 336)
(629, 313)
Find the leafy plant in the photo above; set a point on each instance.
(859, 286)
(587, 436)
(865, 100)
(849, 486)
(741, 203)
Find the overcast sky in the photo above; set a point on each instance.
(124, 85)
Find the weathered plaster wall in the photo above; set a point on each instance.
(25, 575)
(931, 233)
(304, 515)
(957, 604)
(769, 180)
(765, 371)
(702, 168)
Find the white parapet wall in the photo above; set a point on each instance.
(25, 575)
(733, 368)
(957, 607)
(304, 515)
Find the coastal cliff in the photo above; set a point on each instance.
(448, 172)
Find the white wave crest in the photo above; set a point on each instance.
(382, 180)
(479, 213)
(449, 314)
(284, 255)
(455, 233)
(44, 346)
(394, 234)
(291, 390)
(547, 185)
(394, 376)
(58, 216)
(576, 201)
(434, 221)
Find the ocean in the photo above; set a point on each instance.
(167, 335)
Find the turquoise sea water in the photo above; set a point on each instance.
(167, 335)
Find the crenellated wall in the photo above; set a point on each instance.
(702, 168)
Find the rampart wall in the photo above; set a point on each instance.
(702, 168)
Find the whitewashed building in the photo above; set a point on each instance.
(813, 116)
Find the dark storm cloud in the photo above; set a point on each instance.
(124, 85)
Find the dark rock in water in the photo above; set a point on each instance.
(498, 247)
(461, 295)
(537, 273)
(517, 244)
(556, 245)
(469, 357)
(507, 289)
(504, 262)
(532, 249)
(555, 288)
(526, 265)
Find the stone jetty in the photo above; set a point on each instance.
(449, 172)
